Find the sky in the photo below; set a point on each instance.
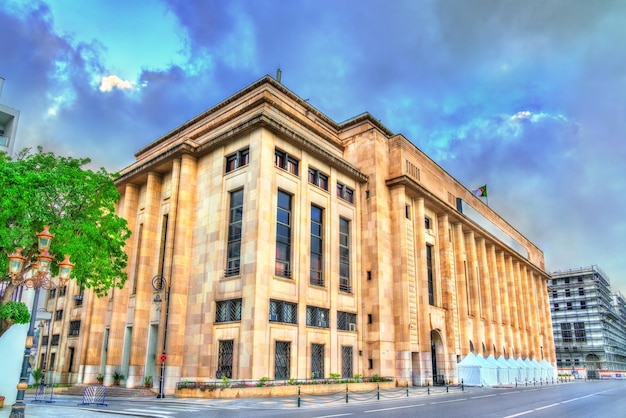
(527, 97)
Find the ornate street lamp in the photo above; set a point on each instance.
(159, 284)
(39, 278)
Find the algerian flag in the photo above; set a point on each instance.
(481, 191)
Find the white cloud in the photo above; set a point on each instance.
(110, 82)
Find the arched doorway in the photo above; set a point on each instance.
(437, 355)
(593, 364)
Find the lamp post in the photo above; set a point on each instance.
(159, 284)
(39, 278)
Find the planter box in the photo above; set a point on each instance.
(281, 391)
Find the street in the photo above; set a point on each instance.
(577, 399)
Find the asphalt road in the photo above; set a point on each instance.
(606, 399)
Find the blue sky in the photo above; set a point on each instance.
(526, 97)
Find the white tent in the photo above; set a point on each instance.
(531, 371)
(540, 372)
(489, 372)
(551, 371)
(507, 372)
(502, 374)
(516, 372)
(471, 370)
(522, 375)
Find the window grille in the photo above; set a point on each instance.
(225, 359)
(316, 274)
(74, 328)
(344, 255)
(346, 361)
(282, 357)
(283, 235)
(58, 315)
(579, 332)
(566, 332)
(234, 234)
(228, 310)
(346, 321)
(317, 361)
(281, 311)
(316, 317)
(430, 274)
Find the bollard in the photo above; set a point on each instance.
(346, 393)
(447, 391)
(516, 382)
(298, 396)
(462, 386)
(407, 389)
(428, 389)
(377, 392)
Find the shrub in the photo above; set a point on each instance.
(16, 311)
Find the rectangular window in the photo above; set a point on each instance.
(282, 360)
(583, 304)
(555, 294)
(568, 293)
(569, 306)
(163, 243)
(316, 276)
(62, 290)
(346, 361)
(52, 293)
(345, 284)
(286, 162)
(346, 321)
(233, 252)
(345, 192)
(228, 310)
(55, 340)
(283, 235)
(316, 317)
(430, 274)
(579, 332)
(566, 332)
(238, 159)
(225, 359)
(318, 178)
(427, 223)
(281, 311)
(44, 340)
(581, 291)
(58, 315)
(317, 361)
(74, 328)
(556, 306)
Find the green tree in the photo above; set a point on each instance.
(40, 188)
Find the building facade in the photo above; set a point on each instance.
(295, 247)
(9, 118)
(589, 322)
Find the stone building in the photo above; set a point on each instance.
(294, 246)
(589, 322)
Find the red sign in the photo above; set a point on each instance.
(163, 358)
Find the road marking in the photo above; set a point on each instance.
(570, 400)
(521, 413)
(150, 412)
(453, 400)
(484, 396)
(330, 416)
(397, 407)
(547, 406)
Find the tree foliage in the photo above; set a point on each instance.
(40, 188)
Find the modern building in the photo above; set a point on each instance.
(589, 322)
(9, 118)
(294, 246)
(58, 334)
